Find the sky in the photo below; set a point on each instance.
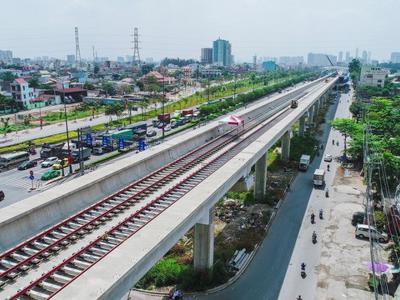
(180, 28)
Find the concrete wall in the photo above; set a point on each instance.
(30, 216)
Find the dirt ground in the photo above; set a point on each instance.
(343, 273)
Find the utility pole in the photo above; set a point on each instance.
(77, 49)
(163, 111)
(94, 55)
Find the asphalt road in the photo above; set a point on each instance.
(265, 274)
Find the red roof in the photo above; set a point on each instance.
(20, 81)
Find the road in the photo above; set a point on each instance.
(265, 274)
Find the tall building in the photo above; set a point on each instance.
(340, 59)
(206, 56)
(269, 66)
(71, 59)
(364, 56)
(320, 59)
(222, 53)
(356, 53)
(6, 56)
(347, 60)
(395, 57)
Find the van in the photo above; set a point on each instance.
(363, 231)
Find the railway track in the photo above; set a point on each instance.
(194, 167)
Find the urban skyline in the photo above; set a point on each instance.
(168, 38)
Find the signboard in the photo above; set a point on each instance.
(121, 143)
(89, 139)
(106, 141)
(141, 145)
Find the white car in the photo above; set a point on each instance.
(363, 231)
(49, 162)
(167, 128)
(328, 158)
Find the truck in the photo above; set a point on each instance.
(85, 154)
(126, 135)
(319, 178)
(164, 118)
(51, 151)
(304, 162)
(187, 112)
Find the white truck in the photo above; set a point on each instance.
(319, 178)
(304, 162)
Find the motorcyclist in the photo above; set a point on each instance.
(299, 298)
(312, 218)
(303, 266)
(314, 237)
(321, 216)
(326, 193)
(333, 142)
(327, 167)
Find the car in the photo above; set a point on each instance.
(160, 125)
(97, 151)
(58, 166)
(364, 231)
(358, 218)
(151, 133)
(328, 158)
(50, 175)
(27, 165)
(49, 162)
(2, 196)
(174, 125)
(167, 128)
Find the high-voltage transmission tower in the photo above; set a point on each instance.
(136, 55)
(77, 49)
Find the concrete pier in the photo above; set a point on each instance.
(302, 125)
(261, 178)
(285, 144)
(203, 244)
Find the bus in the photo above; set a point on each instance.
(13, 159)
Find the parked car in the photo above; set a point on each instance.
(151, 133)
(27, 165)
(2, 196)
(49, 162)
(97, 151)
(358, 218)
(174, 125)
(50, 174)
(328, 158)
(167, 127)
(363, 231)
(57, 165)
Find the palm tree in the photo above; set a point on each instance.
(6, 125)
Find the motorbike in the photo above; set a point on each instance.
(327, 167)
(333, 142)
(327, 193)
(321, 214)
(299, 298)
(314, 238)
(312, 218)
(303, 274)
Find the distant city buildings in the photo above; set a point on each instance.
(320, 60)
(6, 56)
(373, 76)
(395, 57)
(222, 53)
(347, 59)
(269, 66)
(340, 59)
(206, 56)
(71, 59)
(291, 60)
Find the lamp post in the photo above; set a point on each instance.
(67, 132)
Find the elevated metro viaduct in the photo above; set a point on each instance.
(112, 277)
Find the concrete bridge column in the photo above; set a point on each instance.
(302, 124)
(203, 244)
(261, 178)
(310, 115)
(285, 144)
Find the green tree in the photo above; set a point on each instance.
(109, 89)
(6, 124)
(152, 85)
(88, 86)
(346, 127)
(34, 82)
(7, 76)
(27, 119)
(355, 70)
(114, 110)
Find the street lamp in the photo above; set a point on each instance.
(67, 132)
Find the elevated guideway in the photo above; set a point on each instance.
(141, 222)
(137, 241)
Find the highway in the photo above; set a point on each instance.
(134, 206)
